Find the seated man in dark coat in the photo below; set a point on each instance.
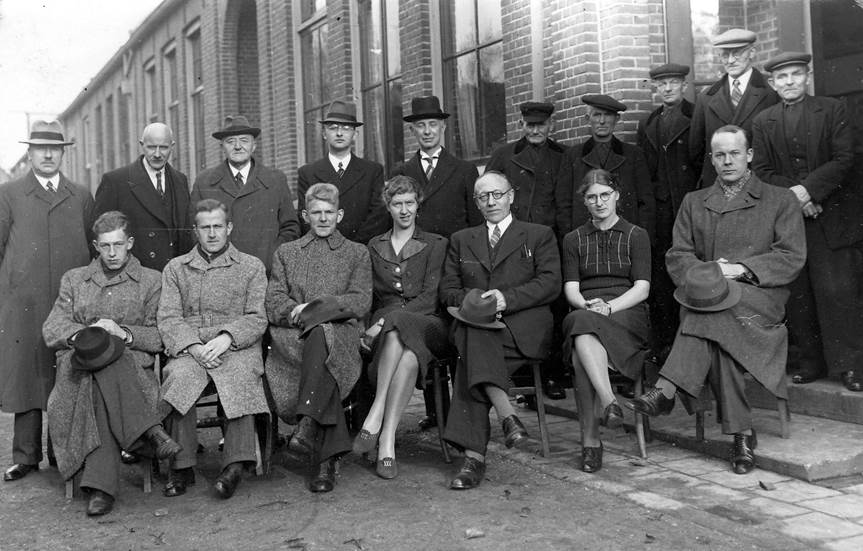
(750, 234)
(508, 272)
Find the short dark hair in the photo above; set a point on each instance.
(598, 176)
(401, 184)
(209, 205)
(732, 129)
(109, 221)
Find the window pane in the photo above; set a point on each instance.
(460, 20)
(110, 142)
(310, 7)
(493, 98)
(123, 121)
(174, 121)
(311, 69)
(314, 138)
(705, 25)
(371, 43)
(198, 127)
(463, 87)
(490, 20)
(394, 44)
(397, 125)
(374, 137)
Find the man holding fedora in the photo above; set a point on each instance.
(44, 220)
(499, 279)
(359, 181)
(740, 94)
(259, 198)
(737, 246)
(805, 144)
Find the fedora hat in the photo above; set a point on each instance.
(705, 289)
(46, 133)
(95, 348)
(236, 125)
(321, 310)
(477, 311)
(341, 112)
(427, 107)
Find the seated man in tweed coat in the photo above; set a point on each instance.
(211, 317)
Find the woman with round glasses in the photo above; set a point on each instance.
(606, 269)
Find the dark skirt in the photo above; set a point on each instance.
(625, 335)
(426, 335)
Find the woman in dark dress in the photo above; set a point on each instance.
(607, 279)
(406, 332)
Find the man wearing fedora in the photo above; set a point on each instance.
(154, 196)
(739, 94)
(664, 139)
(738, 245)
(604, 150)
(44, 222)
(259, 198)
(360, 181)
(499, 279)
(805, 143)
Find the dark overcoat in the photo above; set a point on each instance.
(262, 211)
(359, 195)
(534, 185)
(526, 269)
(627, 163)
(448, 205)
(86, 295)
(42, 236)
(761, 228)
(162, 231)
(713, 109)
(304, 270)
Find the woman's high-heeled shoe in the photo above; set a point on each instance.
(365, 442)
(612, 417)
(591, 458)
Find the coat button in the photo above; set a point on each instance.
(151, 234)
(152, 254)
(398, 270)
(398, 285)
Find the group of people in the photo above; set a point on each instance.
(603, 254)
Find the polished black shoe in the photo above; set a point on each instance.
(304, 438)
(178, 480)
(514, 431)
(18, 471)
(612, 417)
(470, 475)
(428, 422)
(806, 375)
(653, 403)
(853, 380)
(99, 504)
(129, 458)
(591, 458)
(553, 390)
(228, 480)
(164, 445)
(742, 456)
(325, 480)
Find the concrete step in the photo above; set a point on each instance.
(819, 448)
(825, 398)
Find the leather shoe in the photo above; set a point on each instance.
(553, 390)
(653, 403)
(806, 375)
(853, 380)
(742, 456)
(165, 446)
(387, 468)
(325, 480)
(18, 471)
(428, 422)
(365, 442)
(514, 431)
(304, 438)
(612, 417)
(129, 458)
(470, 475)
(591, 458)
(227, 482)
(178, 479)
(100, 503)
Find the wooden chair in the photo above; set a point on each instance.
(535, 390)
(702, 404)
(263, 428)
(438, 377)
(642, 422)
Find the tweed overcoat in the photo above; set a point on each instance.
(199, 301)
(86, 295)
(526, 269)
(304, 270)
(160, 232)
(761, 228)
(448, 205)
(42, 236)
(262, 211)
(534, 185)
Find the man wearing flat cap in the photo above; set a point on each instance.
(359, 181)
(259, 198)
(603, 150)
(805, 143)
(738, 245)
(740, 94)
(43, 233)
(664, 138)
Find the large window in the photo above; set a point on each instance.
(110, 140)
(309, 8)
(473, 75)
(151, 91)
(316, 86)
(100, 140)
(195, 88)
(380, 51)
(171, 86)
(123, 116)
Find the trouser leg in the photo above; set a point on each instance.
(688, 363)
(804, 334)
(239, 440)
(184, 431)
(736, 412)
(102, 465)
(27, 437)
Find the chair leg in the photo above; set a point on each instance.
(639, 422)
(540, 409)
(147, 468)
(784, 418)
(699, 425)
(70, 488)
(439, 412)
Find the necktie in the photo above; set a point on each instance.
(239, 179)
(341, 171)
(495, 236)
(50, 187)
(430, 167)
(159, 187)
(736, 94)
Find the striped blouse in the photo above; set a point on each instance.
(599, 259)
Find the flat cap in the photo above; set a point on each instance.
(602, 101)
(787, 58)
(735, 38)
(669, 70)
(536, 111)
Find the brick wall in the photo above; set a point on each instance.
(415, 37)
(517, 69)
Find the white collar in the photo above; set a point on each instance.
(336, 160)
(434, 156)
(55, 181)
(151, 172)
(742, 79)
(503, 225)
(246, 168)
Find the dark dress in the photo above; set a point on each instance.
(405, 296)
(606, 264)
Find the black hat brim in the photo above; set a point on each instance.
(454, 312)
(222, 134)
(115, 349)
(735, 291)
